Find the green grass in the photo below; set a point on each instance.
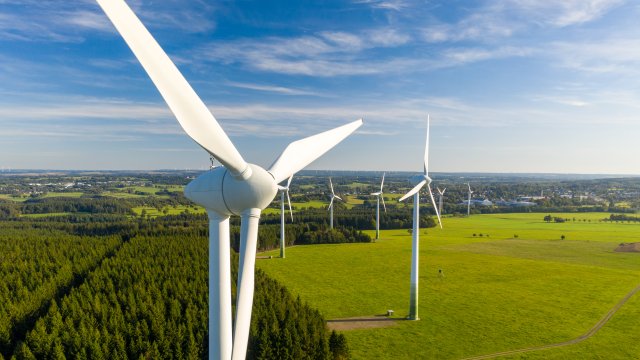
(75, 194)
(45, 215)
(498, 293)
(14, 198)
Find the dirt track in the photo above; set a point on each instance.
(580, 338)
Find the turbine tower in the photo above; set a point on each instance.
(469, 200)
(420, 181)
(333, 196)
(440, 196)
(379, 197)
(283, 190)
(235, 188)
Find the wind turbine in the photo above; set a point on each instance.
(378, 196)
(235, 188)
(469, 200)
(420, 181)
(441, 195)
(333, 196)
(283, 190)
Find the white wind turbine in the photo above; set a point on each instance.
(236, 188)
(441, 195)
(420, 181)
(333, 197)
(469, 200)
(283, 190)
(379, 197)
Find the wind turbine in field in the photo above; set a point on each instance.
(379, 197)
(236, 188)
(420, 181)
(283, 190)
(333, 197)
(440, 196)
(469, 200)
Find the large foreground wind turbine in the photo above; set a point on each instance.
(420, 181)
(379, 197)
(440, 196)
(469, 200)
(236, 188)
(333, 197)
(283, 190)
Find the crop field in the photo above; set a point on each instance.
(508, 282)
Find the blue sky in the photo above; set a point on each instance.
(511, 85)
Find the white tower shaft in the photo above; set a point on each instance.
(282, 244)
(331, 217)
(220, 338)
(378, 218)
(415, 250)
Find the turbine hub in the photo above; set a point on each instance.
(225, 194)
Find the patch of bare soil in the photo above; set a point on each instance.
(362, 322)
(628, 247)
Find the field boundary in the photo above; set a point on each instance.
(580, 338)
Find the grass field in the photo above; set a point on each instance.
(498, 292)
(170, 210)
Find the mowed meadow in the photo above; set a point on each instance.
(516, 286)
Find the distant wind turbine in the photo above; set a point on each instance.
(283, 190)
(333, 197)
(379, 197)
(420, 181)
(441, 195)
(235, 188)
(469, 200)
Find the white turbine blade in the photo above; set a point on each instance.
(303, 152)
(383, 205)
(338, 197)
(414, 190)
(469, 187)
(435, 208)
(331, 186)
(426, 149)
(375, 194)
(330, 204)
(246, 276)
(382, 183)
(192, 114)
(443, 190)
(289, 181)
(290, 209)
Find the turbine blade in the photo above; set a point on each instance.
(426, 149)
(289, 181)
(331, 185)
(383, 205)
(382, 183)
(338, 197)
(330, 204)
(246, 276)
(192, 114)
(303, 152)
(290, 209)
(435, 208)
(414, 190)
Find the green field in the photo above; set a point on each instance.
(170, 210)
(498, 292)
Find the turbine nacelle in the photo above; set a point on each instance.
(219, 191)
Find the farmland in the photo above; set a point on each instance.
(497, 293)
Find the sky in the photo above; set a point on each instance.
(510, 85)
